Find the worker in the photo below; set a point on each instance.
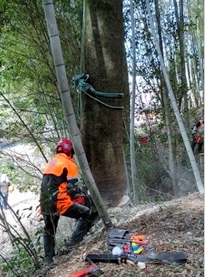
(198, 135)
(60, 197)
(4, 191)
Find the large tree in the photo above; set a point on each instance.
(102, 126)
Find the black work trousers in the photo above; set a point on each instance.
(83, 224)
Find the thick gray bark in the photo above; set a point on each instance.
(102, 127)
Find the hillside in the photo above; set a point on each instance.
(177, 225)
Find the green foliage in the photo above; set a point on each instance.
(31, 110)
(22, 173)
(18, 264)
(23, 259)
(29, 82)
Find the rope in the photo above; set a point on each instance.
(79, 82)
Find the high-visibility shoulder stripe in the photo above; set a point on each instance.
(56, 165)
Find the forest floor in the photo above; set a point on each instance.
(173, 226)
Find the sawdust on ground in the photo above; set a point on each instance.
(173, 226)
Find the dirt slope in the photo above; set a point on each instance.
(177, 225)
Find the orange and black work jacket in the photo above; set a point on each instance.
(198, 131)
(59, 171)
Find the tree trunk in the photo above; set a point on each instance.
(199, 43)
(172, 152)
(132, 112)
(102, 127)
(180, 30)
(197, 38)
(194, 90)
(69, 112)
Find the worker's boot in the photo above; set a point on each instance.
(82, 227)
(49, 248)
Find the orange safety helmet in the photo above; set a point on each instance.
(64, 146)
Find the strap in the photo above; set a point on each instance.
(79, 82)
(176, 258)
